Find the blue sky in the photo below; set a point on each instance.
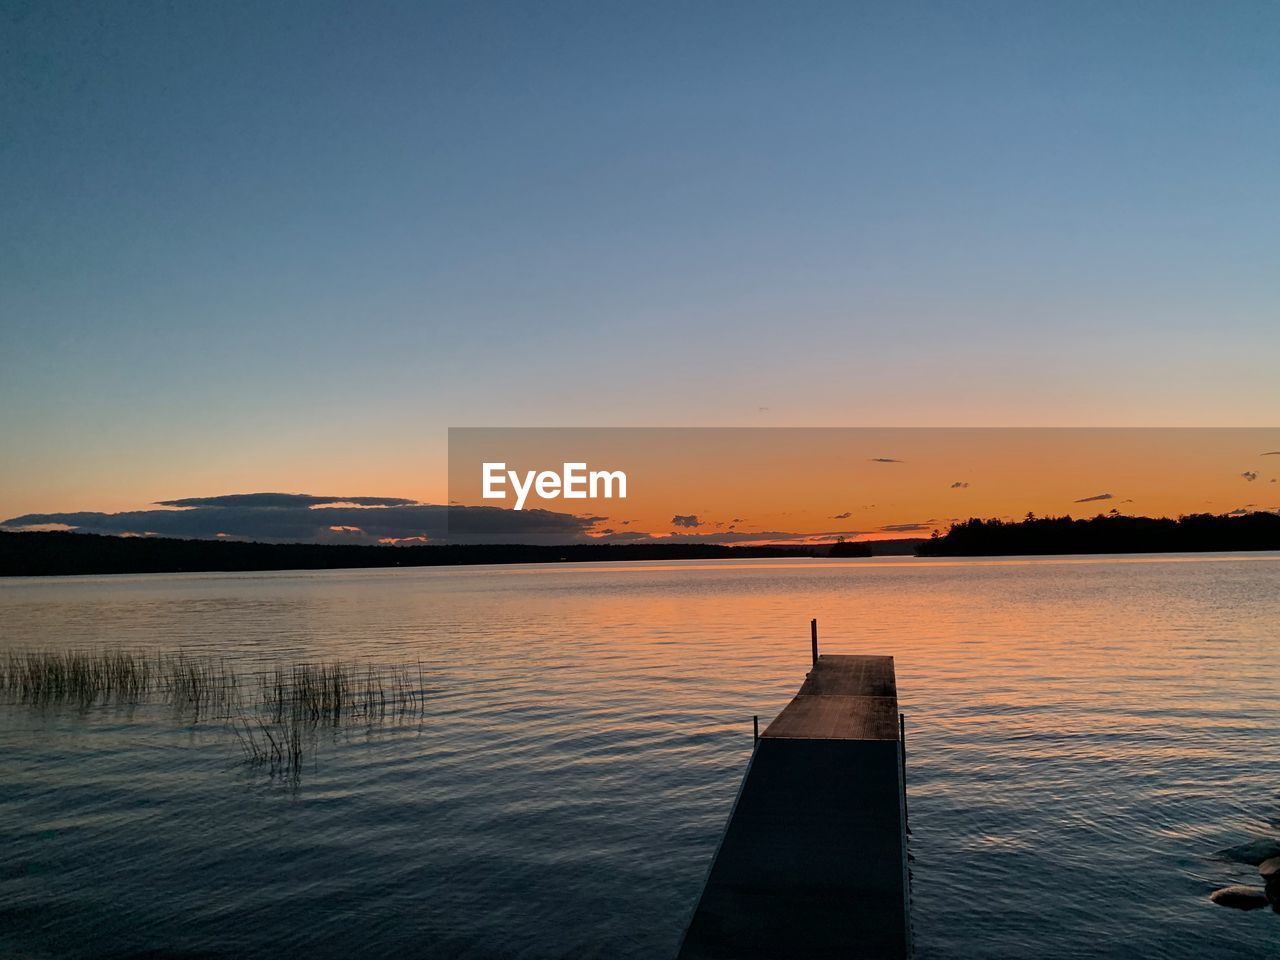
(284, 246)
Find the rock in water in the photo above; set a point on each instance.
(1253, 853)
(1239, 897)
(1270, 871)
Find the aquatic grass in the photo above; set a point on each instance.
(76, 676)
(329, 692)
(316, 690)
(271, 711)
(275, 746)
(202, 686)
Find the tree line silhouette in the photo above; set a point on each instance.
(1104, 533)
(56, 553)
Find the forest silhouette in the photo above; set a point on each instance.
(1106, 533)
(58, 553)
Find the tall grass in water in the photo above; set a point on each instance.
(77, 676)
(271, 711)
(204, 685)
(277, 746)
(330, 692)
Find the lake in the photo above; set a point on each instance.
(1083, 735)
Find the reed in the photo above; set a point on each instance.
(275, 746)
(203, 686)
(76, 676)
(332, 692)
(272, 710)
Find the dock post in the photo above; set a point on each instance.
(755, 726)
(813, 633)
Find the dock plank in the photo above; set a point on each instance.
(837, 718)
(843, 698)
(850, 676)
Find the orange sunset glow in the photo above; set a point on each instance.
(883, 483)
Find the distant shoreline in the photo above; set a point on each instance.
(1107, 534)
(59, 553)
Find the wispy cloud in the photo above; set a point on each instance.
(1096, 496)
(959, 485)
(1250, 475)
(686, 520)
(842, 516)
(886, 460)
(780, 537)
(254, 500)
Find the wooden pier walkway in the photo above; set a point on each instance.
(813, 861)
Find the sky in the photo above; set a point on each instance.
(746, 485)
(284, 247)
(755, 484)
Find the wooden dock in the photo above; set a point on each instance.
(813, 861)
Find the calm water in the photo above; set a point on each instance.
(1084, 734)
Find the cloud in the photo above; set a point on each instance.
(302, 518)
(780, 537)
(686, 520)
(1096, 496)
(621, 536)
(254, 500)
(959, 485)
(906, 527)
(1250, 475)
(886, 460)
(842, 516)
(1270, 453)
